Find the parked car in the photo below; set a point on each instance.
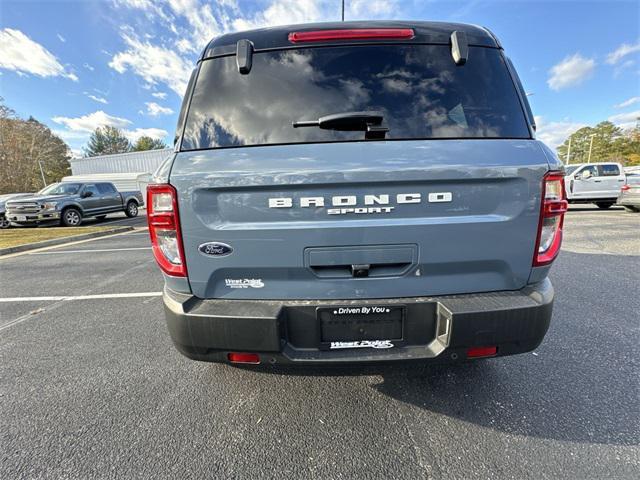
(4, 223)
(597, 183)
(396, 206)
(629, 196)
(68, 203)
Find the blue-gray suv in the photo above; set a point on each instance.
(356, 192)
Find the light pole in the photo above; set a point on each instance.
(590, 147)
(42, 173)
(343, 10)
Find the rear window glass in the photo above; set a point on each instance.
(609, 170)
(106, 188)
(418, 88)
(633, 179)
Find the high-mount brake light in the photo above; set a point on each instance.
(352, 34)
(553, 207)
(164, 229)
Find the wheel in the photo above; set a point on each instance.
(132, 209)
(630, 208)
(100, 217)
(71, 217)
(4, 223)
(604, 205)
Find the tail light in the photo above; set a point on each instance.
(625, 188)
(164, 229)
(351, 34)
(554, 206)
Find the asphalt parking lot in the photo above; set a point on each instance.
(91, 386)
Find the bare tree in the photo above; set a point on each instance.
(30, 154)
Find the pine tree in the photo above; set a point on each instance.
(107, 141)
(148, 143)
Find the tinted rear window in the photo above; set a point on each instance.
(418, 88)
(106, 188)
(609, 170)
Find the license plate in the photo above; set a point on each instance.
(21, 218)
(360, 326)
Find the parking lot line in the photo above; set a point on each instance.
(68, 298)
(91, 251)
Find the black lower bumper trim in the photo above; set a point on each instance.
(286, 332)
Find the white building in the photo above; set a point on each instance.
(127, 171)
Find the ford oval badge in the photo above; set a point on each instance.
(215, 249)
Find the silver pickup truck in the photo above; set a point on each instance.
(68, 203)
(356, 192)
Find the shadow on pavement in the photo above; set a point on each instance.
(582, 384)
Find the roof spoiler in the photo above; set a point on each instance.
(244, 56)
(459, 47)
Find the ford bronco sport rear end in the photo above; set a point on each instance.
(356, 192)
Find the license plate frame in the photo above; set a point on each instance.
(360, 326)
(21, 218)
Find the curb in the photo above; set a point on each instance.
(62, 240)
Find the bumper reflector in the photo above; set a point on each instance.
(477, 352)
(236, 357)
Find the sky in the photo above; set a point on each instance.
(78, 65)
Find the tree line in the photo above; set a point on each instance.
(110, 140)
(32, 156)
(606, 142)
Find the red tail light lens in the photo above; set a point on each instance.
(625, 188)
(478, 352)
(236, 357)
(164, 229)
(554, 206)
(351, 34)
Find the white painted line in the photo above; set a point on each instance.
(70, 298)
(91, 250)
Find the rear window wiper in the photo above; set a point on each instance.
(368, 122)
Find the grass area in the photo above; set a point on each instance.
(12, 237)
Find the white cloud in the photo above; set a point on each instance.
(555, 133)
(160, 95)
(98, 99)
(205, 24)
(154, 109)
(625, 120)
(61, 38)
(22, 55)
(628, 102)
(284, 12)
(88, 123)
(153, 63)
(133, 135)
(78, 129)
(622, 51)
(370, 8)
(184, 45)
(573, 70)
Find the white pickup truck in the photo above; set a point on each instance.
(597, 183)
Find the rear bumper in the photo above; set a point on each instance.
(438, 329)
(629, 200)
